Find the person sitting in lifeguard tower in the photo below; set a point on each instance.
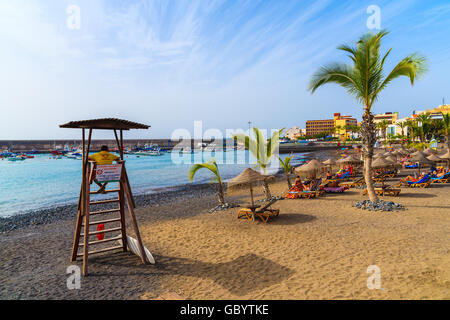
(103, 157)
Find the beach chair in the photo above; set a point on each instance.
(334, 189)
(345, 176)
(264, 213)
(386, 191)
(444, 179)
(355, 183)
(425, 182)
(314, 192)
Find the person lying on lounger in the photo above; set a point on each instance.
(412, 179)
(297, 187)
(438, 174)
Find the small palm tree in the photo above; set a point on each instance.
(423, 121)
(287, 167)
(262, 150)
(402, 125)
(364, 79)
(212, 166)
(383, 125)
(446, 128)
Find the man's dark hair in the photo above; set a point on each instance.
(104, 148)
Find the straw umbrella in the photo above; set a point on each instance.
(429, 151)
(446, 156)
(391, 158)
(247, 177)
(421, 159)
(434, 158)
(310, 167)
(381, 163)
(329, 162)
(378, 155)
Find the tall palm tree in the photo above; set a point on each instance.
(446, 128)
(364, 79)
(211, 165)
(262, 150)
(287, 167)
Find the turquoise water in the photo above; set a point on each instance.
(45, 182)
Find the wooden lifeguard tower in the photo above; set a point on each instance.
(117, 173)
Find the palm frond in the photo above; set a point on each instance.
(210, 165)
(338, 73)
(412, 67)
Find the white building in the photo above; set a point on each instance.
(295, 132)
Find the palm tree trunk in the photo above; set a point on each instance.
(368, 133)
(220, 197)
(267, 193)
(288, 181)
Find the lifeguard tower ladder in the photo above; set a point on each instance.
(82, 240)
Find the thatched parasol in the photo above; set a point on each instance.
(248, 176)
(434, 158)
(381, 163)
(391, 158)
(329, 162)
(421, 159)
(310, 166)
(446, 156)
(429, 151)
(378, 155)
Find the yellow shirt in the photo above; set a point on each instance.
(103, 157)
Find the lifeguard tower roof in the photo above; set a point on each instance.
(105, 124)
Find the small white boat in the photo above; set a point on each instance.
(148, 153)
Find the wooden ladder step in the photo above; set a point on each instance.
(102, 241)
(93, 213)
(106, 191)
(103, 201)
(93, 223)
(102, 231)
(101, 250)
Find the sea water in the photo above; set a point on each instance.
(44, 181)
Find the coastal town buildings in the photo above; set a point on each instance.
(339, 125)
(295, 132)
(435, 113)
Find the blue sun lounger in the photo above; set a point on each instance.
(444, 179)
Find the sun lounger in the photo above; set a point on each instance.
(444, 179)
(386, 191)
(264, 213)
(355, 183)
(314, 192)
(334, 189)
(425, 182)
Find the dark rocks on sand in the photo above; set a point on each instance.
(379, 205)
(224, 207)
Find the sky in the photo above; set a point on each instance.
(168, 63)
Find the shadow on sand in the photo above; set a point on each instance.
(240, 276)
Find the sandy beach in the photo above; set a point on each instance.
(316, 249)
